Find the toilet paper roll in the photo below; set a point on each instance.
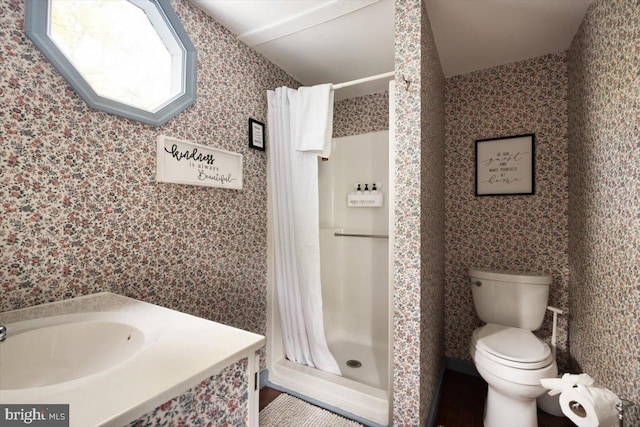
(568, 381)
(590, 406)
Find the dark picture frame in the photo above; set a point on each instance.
(256, 135)
(505, 166)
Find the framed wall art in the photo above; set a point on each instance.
(256, 135)
(188, 163)
(505, 166)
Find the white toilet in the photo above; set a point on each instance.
(506, 353)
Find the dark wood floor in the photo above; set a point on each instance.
(461, 403)
(267, 395)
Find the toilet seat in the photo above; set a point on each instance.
(513, 347)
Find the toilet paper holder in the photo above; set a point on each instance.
(621, 407)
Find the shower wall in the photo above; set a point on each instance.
(355, 279)
(355, 316)
(360, 159)
(356, 117)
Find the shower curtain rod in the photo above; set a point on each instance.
(363, 80)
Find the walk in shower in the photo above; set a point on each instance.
(354, 252)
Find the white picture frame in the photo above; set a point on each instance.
(188, 163)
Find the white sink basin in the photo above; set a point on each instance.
(112, 359)
(61, 353)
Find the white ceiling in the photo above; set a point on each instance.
(333, 41)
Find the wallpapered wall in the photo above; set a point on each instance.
(82, 212)
(220, 400)
(527, 233)
(604, 177)
(364, 114)
(417, 355)
(432, 216)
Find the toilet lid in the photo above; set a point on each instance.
(512, 346)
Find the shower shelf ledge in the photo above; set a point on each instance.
(365, 200)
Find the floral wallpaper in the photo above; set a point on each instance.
(604, 184)
(582, 224)
(406, 248)
(364, 114)
(432, 217)
(526, 233)
(82, 211)
(220, 400)
(419, 205)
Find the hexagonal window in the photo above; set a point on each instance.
(127, 57)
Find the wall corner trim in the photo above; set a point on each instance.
(435, 402)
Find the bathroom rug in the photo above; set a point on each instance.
(289, 411)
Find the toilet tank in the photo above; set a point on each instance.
(510, 298)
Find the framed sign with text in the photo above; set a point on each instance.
(505, 166)
(184, 162)
(256, 135)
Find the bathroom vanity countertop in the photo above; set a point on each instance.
(184, 351)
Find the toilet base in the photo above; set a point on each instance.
(501, 410)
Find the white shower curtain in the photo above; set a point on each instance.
(298, 121)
